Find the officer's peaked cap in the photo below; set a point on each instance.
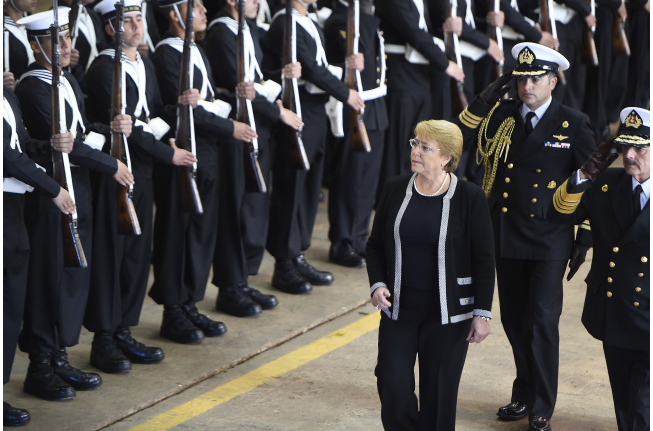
(534, 59)
(635, 127)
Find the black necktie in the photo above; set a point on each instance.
(637, 205)
(529, 122)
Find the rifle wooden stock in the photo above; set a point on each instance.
(125, 212)
(546, 25)
(458, 98)
(254, 181)
(73, 252)
(589, 54)
(296, 152)
(620, 45)
(189, 194)
(494, 33)
(357, 130)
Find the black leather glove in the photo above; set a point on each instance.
(496, 90)
(600, 159)
(578, 254)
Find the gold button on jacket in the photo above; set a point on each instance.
(609, 294)
(538, 170)
(644, 259)
(609, 279)
(507, 179)
(505, 195)
(534, 186)
(510, 165)
(641, 274)
(532, 215)
(638, 289)
(504, 209)
(533, 200)
(636, 304)
(615, 249)
(611, 264)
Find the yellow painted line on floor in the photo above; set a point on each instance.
(263, 374)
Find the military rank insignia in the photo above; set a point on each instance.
(633, 120)
(560, 137)
(551, 185)
(561, 145)
(565, 124)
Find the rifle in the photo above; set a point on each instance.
(190, 196)
(290, 95)
(73, 20)
(357, 129)
(589, 55)
(620, 43)
(546, 8)
(494, 33)
(73, 253)
(126, 213)
(254, 181)
(458, 98)
(6, 39)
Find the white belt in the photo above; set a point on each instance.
(391, 48)
(374, 93)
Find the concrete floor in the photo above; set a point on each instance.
(336, 391)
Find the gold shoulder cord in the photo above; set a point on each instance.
(494, 146)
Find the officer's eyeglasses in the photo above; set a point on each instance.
(422, 147)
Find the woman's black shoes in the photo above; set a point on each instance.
(232, 300)
(105, 355)
(13, 417)
(287, 279)
(75, 377)
(310, 273)
(136, 352)
(176, 327)
(210, 328)
(513, 411)
(41, 380)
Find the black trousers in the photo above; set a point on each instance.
(530, 296)
(119, 274)
(15, 263)
(295, 193)
(355, 176)
(441, 350)
(629, 372)
(255, 213)
(570, 36)
(183, 243)
(56, 296)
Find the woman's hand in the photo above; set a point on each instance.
(479, 330)
(379, 298)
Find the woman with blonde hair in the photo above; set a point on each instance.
(430, 261)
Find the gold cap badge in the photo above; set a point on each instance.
(526, 56)
(604, 188)
(565, 124)
(633, 120)
(551, 185)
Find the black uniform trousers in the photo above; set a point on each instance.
(56, 295)
(570, 36)
(441, 350)
(355, 176)
(255, 213)
(530, 296)
(15, 263)
(119, 274)
(295, 193)
(629, 372)
(183, 243)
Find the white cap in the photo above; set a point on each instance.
(635, 127)
(534, 59)
(39, 23)
(107, 8)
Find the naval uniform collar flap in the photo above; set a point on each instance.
(544, 128)
(621, 198)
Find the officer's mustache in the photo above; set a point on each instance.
(630, 162)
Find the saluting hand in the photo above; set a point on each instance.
(292, 70)
(122, 124)
(243, 132)
(355, 100)
(479, 330)
(289, 117)
(599, 160)
(8, 80)
(496, 90)
(63, 142)
(123, 176)
(64, 202)
(356, 61)
(181, 157)
(379, 298)
(246, 90)
(190, 97)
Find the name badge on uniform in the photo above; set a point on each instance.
(561, 145)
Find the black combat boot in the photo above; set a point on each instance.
(105, 355)
(13, 417)
(136, 352)
(176, 327)
(232, 300)
(312, 275)
(75, 377)
(287, 279)
(267, 302)
(210, 328)
(42, 382)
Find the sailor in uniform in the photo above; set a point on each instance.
(56, 296)
(617, 304)
(120, 273)
(528, 146)
(21, 175)
(20, 54)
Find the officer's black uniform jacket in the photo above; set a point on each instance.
(617, 304)
(18, 59)
(36, 98)
(335, 30)
(221, 43)
(525, 183)
(400, 25)
(312, 72)
(19, 165)
(207, 125)
(144, 149)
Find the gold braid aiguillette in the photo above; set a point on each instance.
(493, 147)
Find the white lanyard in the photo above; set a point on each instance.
(21, 35)
(8, 115)
(469, 16)
(309, 26)
(136, 71)
(264, 15)
(293, 58)
(146, 34)
(251, 64)
(420, 9)
(196, 59)
(85, 25)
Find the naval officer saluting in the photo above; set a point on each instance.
(616, 311)
(528, 146)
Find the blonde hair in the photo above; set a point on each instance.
(447, 135)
